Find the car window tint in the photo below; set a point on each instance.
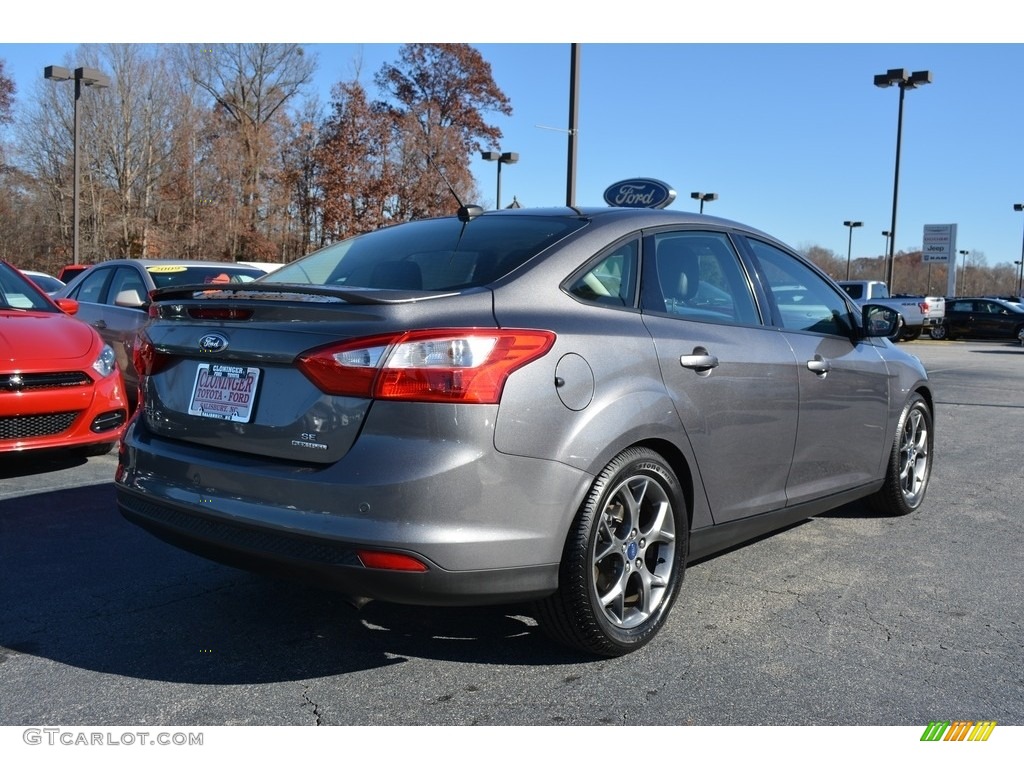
(16, 292)
(803, 299)
(431, 255)
(127, 285)
(92, 287)
(612, 279)
(697, 275)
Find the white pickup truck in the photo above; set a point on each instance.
(919, 312)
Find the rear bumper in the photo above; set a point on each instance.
(489, 527)
(331, 564)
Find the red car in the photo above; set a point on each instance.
(59, 382)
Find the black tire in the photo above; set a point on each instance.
(910, 462)
(913, 335)
(939, 332)
(623, 560)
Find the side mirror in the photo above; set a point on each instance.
(67, 306)
(130, 299)
(878, 320)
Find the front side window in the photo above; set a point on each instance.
(92, 287)
(804, 301)
(697, 276)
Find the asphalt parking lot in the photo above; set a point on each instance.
(846, 619)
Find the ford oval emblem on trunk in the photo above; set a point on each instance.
(213, 342)
(639, 193)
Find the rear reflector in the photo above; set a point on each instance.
(390, 561)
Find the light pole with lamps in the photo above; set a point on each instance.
(502, 157)
(905, 82)
(963, 271)
(1020, 278)
(849, 242)
(704, 196)
(81, 76)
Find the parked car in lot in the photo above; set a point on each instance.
(47, 283)
(981, 318)
(920, 313)
(113, 296)
(561, 406)
(59, 384)
(70, 271)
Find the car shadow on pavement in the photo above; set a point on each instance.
(39, 463)
(85, 588)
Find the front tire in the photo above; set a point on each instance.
(623, 560)
(910, 462)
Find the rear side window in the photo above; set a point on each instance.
(431, 255)
(696, 276)
(611, 279)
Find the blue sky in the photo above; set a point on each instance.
(781, 120)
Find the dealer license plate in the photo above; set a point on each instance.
(224, 392)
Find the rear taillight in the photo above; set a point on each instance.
(145, 358)
(443, 366)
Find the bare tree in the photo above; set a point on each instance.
(251, 84)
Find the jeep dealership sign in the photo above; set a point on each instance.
(939, 243)
(639, 193)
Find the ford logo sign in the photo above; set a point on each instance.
(639, 193)
(213, 342)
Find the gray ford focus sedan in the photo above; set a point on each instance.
(557, 406)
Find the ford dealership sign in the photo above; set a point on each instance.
(639, 193)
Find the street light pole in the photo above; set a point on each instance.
(885, 234)
(963, 271)
(1020, 279)
(849, 242)
(502, 157)
(704, 196)
(905, 82)
(81, 76)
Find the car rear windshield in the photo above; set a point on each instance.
(164, 276)
(431, 255)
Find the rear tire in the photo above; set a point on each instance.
(910, 462)
(623, 561)
(938, 332)
(913, 335)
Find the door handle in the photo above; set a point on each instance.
(819, 366)
(700, 360)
